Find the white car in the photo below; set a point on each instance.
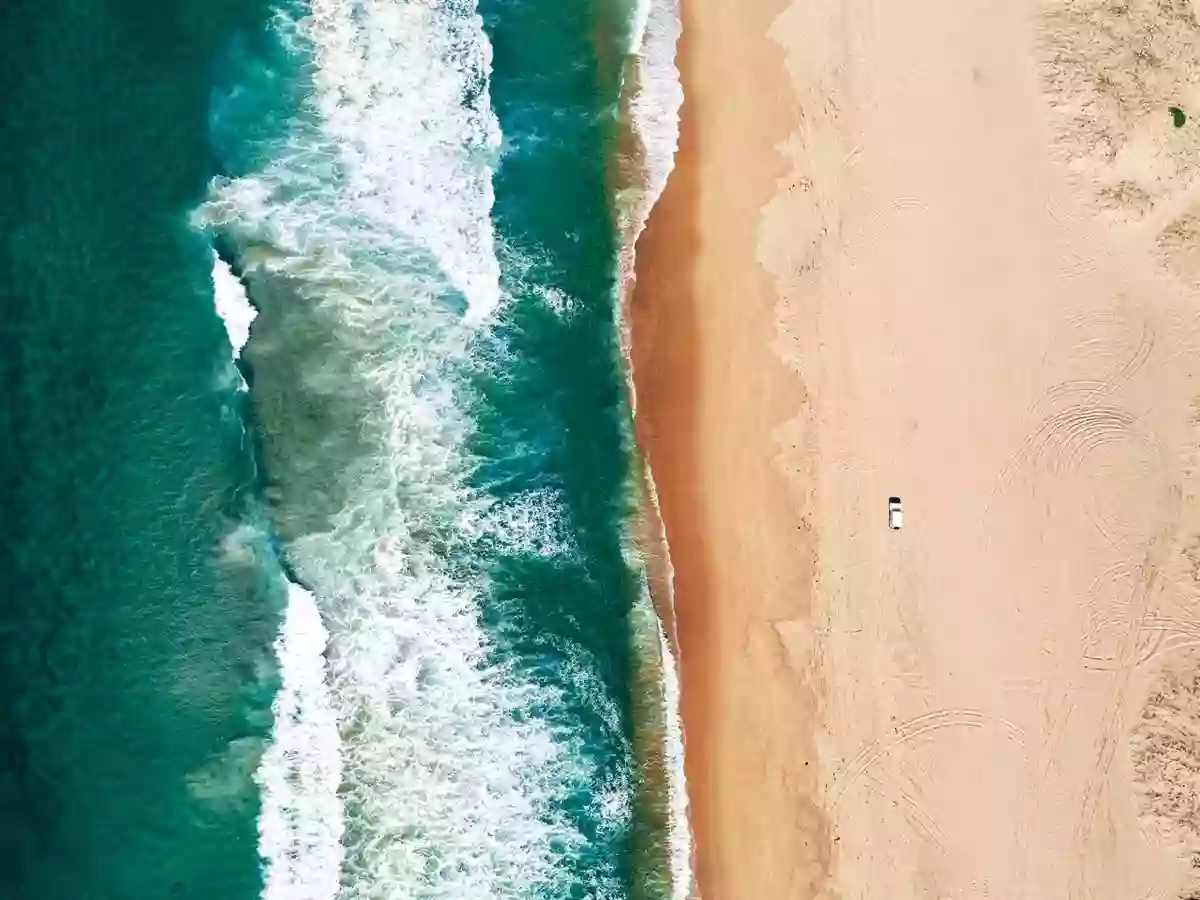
(895, 514)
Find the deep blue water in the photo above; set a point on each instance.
(127, 664)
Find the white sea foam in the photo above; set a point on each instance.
(680, 838)
(680, 843)
(654, 106)
(637, 31)
(654, 109)
(532, 523)
(378, 205)
(394, 87)
(232, 305)
(300, 826)
(521, 270)
(301, 821)
(236, 313)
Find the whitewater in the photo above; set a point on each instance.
(653, 96)
(410, 757)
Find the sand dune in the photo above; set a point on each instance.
(897, 257)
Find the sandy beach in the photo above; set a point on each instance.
(945, 251)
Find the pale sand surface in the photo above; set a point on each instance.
(887, 263)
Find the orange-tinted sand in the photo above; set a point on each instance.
(887, 264)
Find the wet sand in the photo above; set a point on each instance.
(882, 266)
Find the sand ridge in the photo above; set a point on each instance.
(882, 268)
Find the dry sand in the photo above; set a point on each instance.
(940, 249)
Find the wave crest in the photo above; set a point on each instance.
(367, 244)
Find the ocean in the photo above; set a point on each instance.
(326, 544)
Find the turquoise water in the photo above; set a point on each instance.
(129, 666)
(361, 617)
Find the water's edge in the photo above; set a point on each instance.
(651, 97)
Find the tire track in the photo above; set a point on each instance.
(909, 730)
(1064, 438)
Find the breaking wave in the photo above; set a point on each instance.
(366, 244)
(416, 753)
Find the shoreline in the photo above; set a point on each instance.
(641, 165)
(735, 852)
